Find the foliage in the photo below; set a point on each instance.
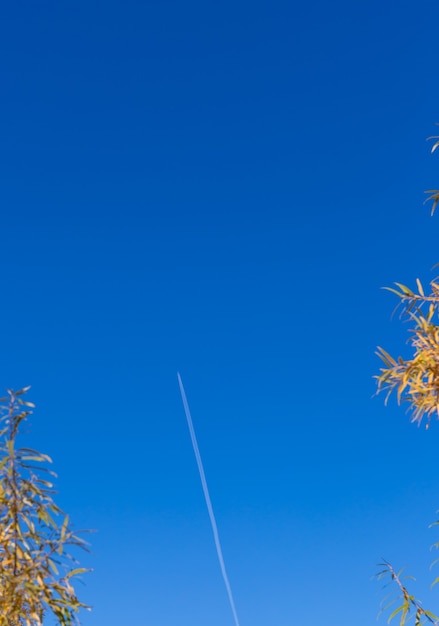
(409, 605)
(434, 193)
(37, 570)
(415, 381)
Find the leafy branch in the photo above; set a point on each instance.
(37, 568)
(415, 380)
(409, 605)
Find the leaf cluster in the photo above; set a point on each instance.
(408, 605)
(416, 380)
(36, 567)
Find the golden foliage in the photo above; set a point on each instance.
(416, 380)
(36, 569)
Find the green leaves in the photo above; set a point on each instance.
(36, 572)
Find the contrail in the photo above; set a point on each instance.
(207, 497)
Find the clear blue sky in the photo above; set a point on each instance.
(221, 188)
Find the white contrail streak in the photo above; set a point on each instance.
(207, 497)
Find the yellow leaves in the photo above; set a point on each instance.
(64, 527)
(36, 568)
(77, 572)
(405, 290)
(416, 380)
(385, 356)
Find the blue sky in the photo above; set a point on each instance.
(221, 189)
